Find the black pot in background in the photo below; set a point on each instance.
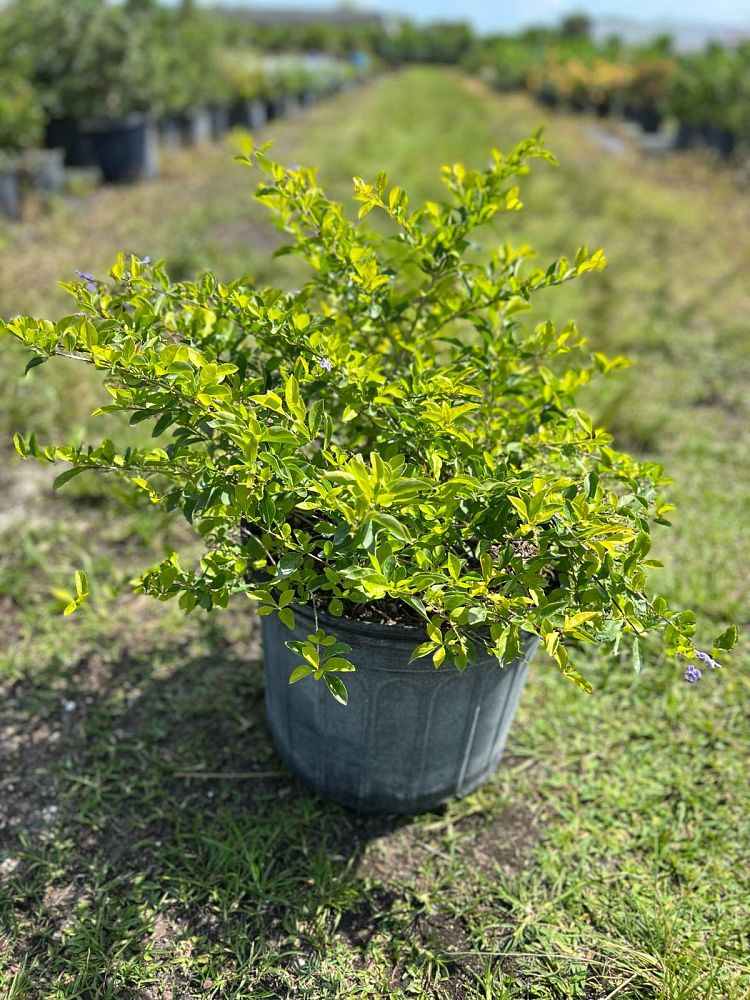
(547, 98)
(45, 169)
(170, 131)
(410, 738)
(723, 140)
(688, 136)
(285, 105)
(10, 191)
(126, 149)
(219, 121)
(65, 133)
(649, 119)
(196, 126)
(251, 114)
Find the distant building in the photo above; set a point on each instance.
(687, 36)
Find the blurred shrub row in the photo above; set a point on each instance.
(707, 93)
(87, 60)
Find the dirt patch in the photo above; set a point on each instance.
(504, 842)
(21, 485)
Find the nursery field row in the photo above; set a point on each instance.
(607, 857)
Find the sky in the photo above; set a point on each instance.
(508, 15)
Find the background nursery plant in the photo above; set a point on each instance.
(389, 442)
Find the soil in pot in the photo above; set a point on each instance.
(410, 738)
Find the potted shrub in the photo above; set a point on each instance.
(194, 90)
(117, 88)
(244, 78)
(645, 93)
(41, 36)
(21, 125)
(391, 465)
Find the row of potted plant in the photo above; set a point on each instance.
(632, 85)
(21, 132)
(103, 82)
(709, 95)
(706, 94)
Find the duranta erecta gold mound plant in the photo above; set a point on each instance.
(390, 441)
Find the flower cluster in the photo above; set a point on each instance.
(693, 674)
(89, 280)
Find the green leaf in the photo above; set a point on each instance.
(728, 638)
(34, 363)
(299, 672)
(82, 583)
(288, 565)
(338, 663)
(337, 688)
(286, 615)
(66, 476)
(423, 650)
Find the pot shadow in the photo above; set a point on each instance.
(143, 807)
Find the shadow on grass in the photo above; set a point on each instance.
(129, 871)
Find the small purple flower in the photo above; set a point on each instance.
(325, 363)
(145, 260)
(91, 282)
(692, 674)
(709, 661)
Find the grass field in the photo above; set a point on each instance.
(610, 855)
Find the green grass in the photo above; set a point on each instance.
(608, 856)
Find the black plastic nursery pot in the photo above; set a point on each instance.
(688, 136)
(169, 128)
(649, 120)
(250, 114)
(66, 133)
(410, 738)
(219, 121)
(284, 106)
(127, 149)
(10, 191)
(723, 140)
(197, 126)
